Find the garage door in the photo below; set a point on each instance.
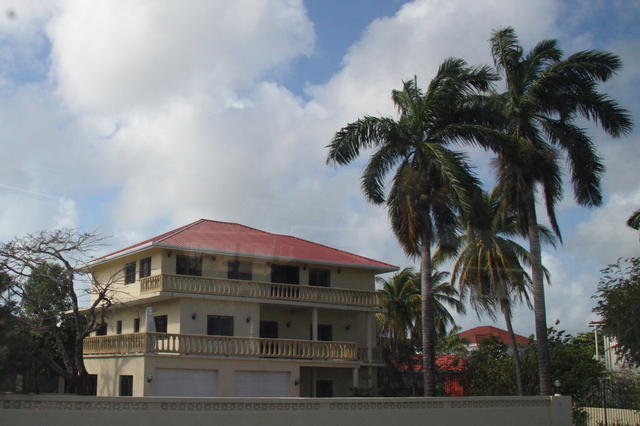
(177, 382)
(263, 383)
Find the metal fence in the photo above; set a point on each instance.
(609, 403)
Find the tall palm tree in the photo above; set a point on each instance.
(431, 181)
(489, 265)
(544, 95)
(634, 220)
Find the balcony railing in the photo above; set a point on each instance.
(376, 355)
(260, 290)
(188, 344)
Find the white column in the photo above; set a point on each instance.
(355, 377)
(369, 337)
(314, 324)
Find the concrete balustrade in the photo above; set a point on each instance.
(260, 290)
(220, 345)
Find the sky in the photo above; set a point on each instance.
(134, 117)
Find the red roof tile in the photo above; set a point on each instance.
(210, 235)
(478, 334)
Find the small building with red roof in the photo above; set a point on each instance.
(222, 309)
(477, 334)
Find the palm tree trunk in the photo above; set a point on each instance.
(428, 327)
(542, 346)
(506, 310)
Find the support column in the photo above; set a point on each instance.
(314, 324)
(369, 338)
(314, 379)
(355, 378)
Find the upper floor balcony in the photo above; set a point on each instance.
(369, 300)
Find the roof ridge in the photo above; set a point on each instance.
(176, 231)
(336, 249)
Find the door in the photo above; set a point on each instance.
(263, 383)
(179, 382)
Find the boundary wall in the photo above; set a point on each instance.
(59, 410)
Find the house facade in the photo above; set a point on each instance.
(221, 309)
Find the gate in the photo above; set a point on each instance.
(609, 403)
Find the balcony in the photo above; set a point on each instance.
(189, 344)
(261, 290)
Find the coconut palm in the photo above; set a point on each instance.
(489, 264)
(544, 95)
(431, 180)
(634, 220)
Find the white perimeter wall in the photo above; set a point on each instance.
(19, 410)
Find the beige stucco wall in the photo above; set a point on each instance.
(127, 312)
(202, 307)
(22, 410)
(109, 370)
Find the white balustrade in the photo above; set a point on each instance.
(260, 290)
(219, 345)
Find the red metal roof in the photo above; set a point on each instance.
(210, 235)
(478, 334)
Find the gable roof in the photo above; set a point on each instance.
(478, 334)
(232, 238)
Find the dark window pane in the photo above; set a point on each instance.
(161, 323)
(119, 327)
(269, 329)
(136, 325)
(189, 265)
(218, 325)
(325, 332)
(145, 267)
(102, 329)
(126, 385)
(319, 277)
(324, 388)
(286, 274)
(239, 270)
(92, 388)
(130, 272)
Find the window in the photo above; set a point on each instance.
(102, 329)
(136, 325)
(188, 265)
(145, 267)
(325, 332)
(161, 323)
(239, 270)
(92, 384)
(119, 327)
(324, 388)
(126, 385)
(218, 325)
(319, 277)
(286, 274)
(269, 329)
(130, 273)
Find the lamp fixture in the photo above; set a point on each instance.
(288, 324)
(193, 316)
(348, 327)
(169, 253)
(149, 378)
(339, 270)
(248, 319)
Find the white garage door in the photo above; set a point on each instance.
(263, 383)
(176, 382)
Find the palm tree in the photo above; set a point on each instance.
(489, 264)
(544, 95)
(453, 344)
(634, 220)
(431, 181)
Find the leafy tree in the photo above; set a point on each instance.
(453, 344)
(544, 96)
(490, 369)
(432, 182)
(618, 304)
(44, 269)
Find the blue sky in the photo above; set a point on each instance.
(133, 117)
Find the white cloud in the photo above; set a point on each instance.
(113, 56)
